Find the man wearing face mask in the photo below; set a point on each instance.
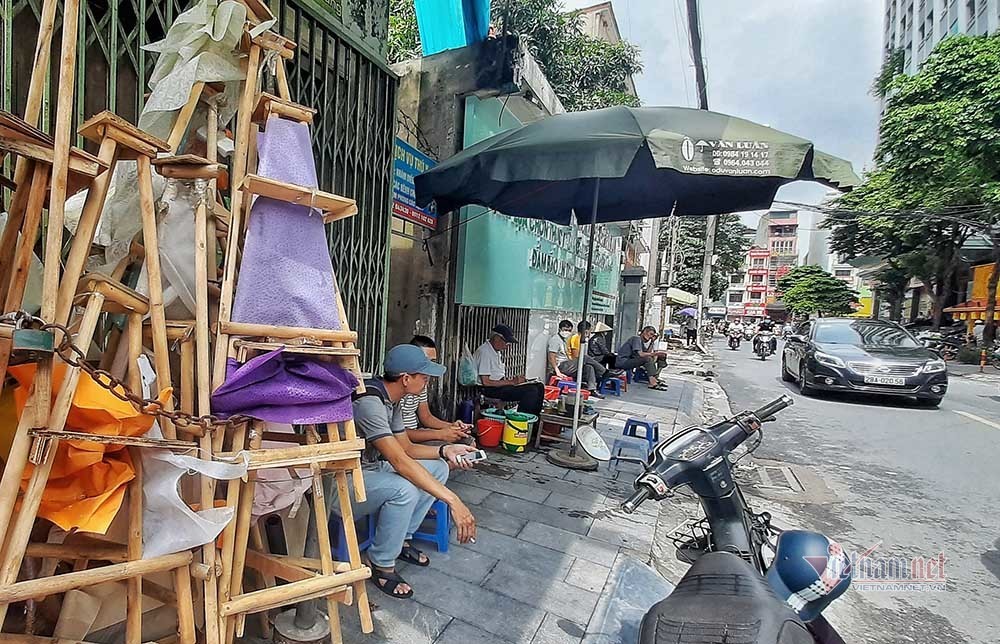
(556, 351)
(402, 478)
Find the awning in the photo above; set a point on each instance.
(971, 310)
(776, 307)
(677, 297)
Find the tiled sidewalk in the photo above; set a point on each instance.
(549, 540)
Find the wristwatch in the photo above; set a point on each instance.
(441, 453)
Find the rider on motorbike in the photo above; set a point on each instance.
(735, 333)
(766, 325)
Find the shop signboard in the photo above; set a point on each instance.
(407, 163)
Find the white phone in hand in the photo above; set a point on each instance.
(473, 457)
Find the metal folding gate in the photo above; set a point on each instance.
(352, 135)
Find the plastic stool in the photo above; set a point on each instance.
(364, 539)
(611, 386)
(630, 443)
(442, 526)
(566, 385)
(640, 375)
(651, 430)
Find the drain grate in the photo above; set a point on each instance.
(775, 477)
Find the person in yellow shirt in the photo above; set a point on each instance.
(573, 343)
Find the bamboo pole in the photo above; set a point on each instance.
(234, 583)
(185, 606)
(157, 318)
(133, 608)
(245, 113)
(278, 596)
(323, 535)
(29, 231)
(69, 581)
(184, 117)
(85, 228)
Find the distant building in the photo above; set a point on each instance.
(599, 21)
(916, 26)
(745, 297)
(778, 233)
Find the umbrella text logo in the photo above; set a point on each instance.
(687, 150)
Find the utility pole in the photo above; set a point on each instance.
(694, 28)
(667, 310)
(653, 276)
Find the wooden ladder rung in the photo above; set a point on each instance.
(82, 165)
(269, 105)
(280, 457)
(118, 297)
(273, 41)
(251, 330)
(129, 441)
(308, 349)
(333, 206)
(294, 592)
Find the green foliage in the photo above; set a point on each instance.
(810, 289)
(585, 72)
(730, 250)
(404, 37)
(938, 159)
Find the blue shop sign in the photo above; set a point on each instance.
(407, 163)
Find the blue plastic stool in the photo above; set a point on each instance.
(651, 430)
(365, 539)
(639, 375)
(566, 386)
(442, 526)
(630, 443)
(611, 386)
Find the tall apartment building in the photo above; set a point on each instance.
(916, 26)
(747, 292)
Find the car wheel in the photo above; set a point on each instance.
(785, 373)
(804, 387)
(929, 402)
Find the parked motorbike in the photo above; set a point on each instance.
(765, 344)
(735, 337)
(945, 344)
(749, 582)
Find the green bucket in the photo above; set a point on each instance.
(517, 431)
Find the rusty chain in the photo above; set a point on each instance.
(75, 357)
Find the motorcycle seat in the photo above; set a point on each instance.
(722, 600)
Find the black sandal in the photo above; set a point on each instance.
(411, 555)
(388, 581)
(659, 386)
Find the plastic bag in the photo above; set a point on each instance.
(468, 373)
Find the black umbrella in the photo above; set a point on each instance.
(622, 163)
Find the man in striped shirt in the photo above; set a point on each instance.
(421, 424)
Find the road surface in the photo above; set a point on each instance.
(919, 482)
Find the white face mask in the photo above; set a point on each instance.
(565, 334)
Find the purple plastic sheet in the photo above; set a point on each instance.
(286, 388)
(286, 276)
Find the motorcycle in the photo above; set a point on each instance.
(945, 344)
(735, 337)
(749, 582)
(765, 344)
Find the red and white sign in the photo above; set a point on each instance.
(760, 270)
(758, 287)
(754, 311)
(759, 252)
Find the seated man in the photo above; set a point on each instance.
(639, 351)
(493, 374)
(422, 426)
(401, 479)
(593, 371)
(598, 349)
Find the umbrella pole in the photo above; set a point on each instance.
(571, 459)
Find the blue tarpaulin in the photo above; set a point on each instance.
(450, 24)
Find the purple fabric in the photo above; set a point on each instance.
(286, 388)
(286, 276)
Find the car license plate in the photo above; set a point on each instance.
(884, 380)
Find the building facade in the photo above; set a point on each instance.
(747, 293)
(914, 27)
(778, 232)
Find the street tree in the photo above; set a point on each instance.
(730, 250)
(808, 290)
(585, 72)
(937, 178)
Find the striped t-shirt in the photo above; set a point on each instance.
(408, 406)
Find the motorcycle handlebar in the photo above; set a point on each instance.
(637, 498)
(773, 407)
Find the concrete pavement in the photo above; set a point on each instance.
(551, 543)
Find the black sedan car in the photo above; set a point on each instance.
(865, 356)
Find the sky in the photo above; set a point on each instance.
(801, 66)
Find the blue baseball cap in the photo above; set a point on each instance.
(408, 358)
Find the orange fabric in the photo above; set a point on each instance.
(87, 483)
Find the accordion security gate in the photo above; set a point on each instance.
(353, 131)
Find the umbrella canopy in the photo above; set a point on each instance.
(652, 161)
(691, 313)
